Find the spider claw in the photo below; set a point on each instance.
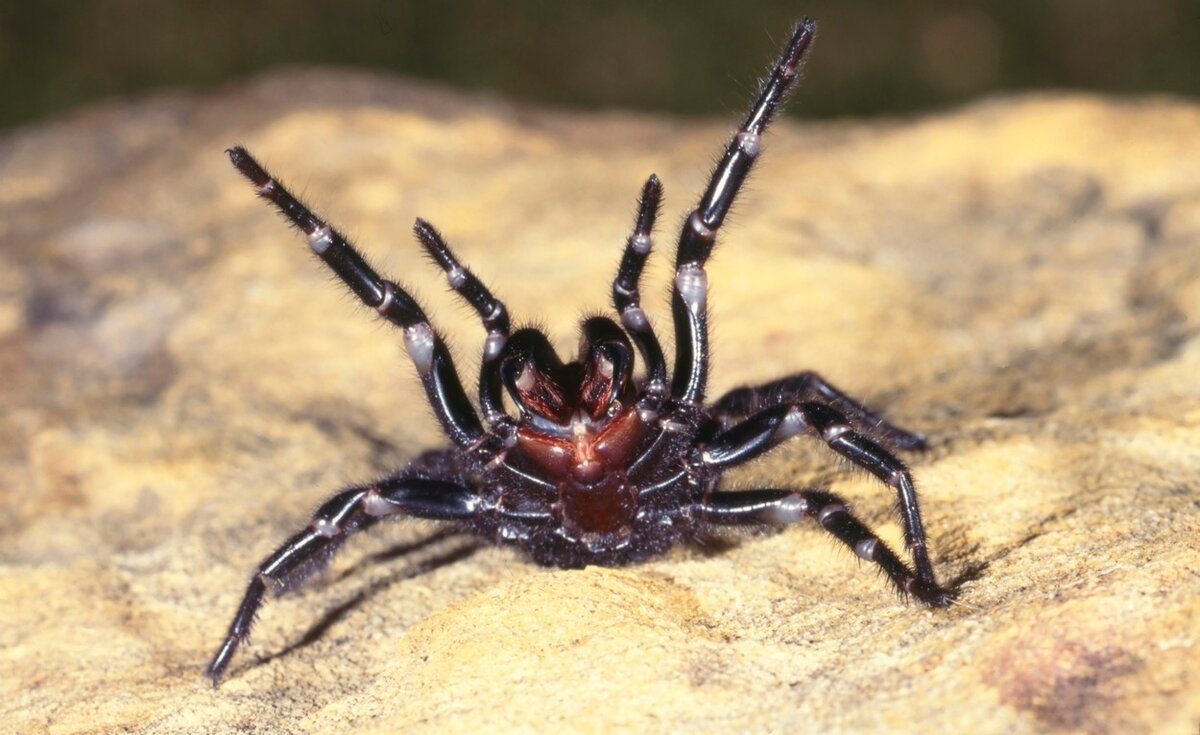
(930, 593)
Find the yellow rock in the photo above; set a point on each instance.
(183, 383)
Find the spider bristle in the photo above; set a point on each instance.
(434, 244)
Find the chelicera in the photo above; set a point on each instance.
(602, 464)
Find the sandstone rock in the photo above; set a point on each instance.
(183, 383)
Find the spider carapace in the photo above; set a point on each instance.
(602, 463)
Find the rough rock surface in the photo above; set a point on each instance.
(182, 383)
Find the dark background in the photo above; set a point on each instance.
(697, 56)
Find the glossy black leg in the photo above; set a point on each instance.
(425, 347)
(626, 296)
(690, 293)
(343, 514)
(782, 507)
(739, 403)
(490, 310)
(771, 426)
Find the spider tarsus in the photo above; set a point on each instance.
(245, 163)
(802, 36)
(435, 245)
(648, 204)
(216, 668)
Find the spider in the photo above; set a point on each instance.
(599, 466)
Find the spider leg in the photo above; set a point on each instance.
(627, 299)
(772, 426)
(739, 403)
(690, 290)
(779, 507)
(491, 311)
(348, 511)
(425, 347)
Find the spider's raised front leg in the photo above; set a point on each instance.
(425, 346)
(771, 426)
(739, 403)
(491, 311)
(627, 298)
(690, 292)
(348, 511)
(780, 507)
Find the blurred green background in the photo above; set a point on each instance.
(698, 56)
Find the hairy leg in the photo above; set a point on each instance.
(780, 507)
(772, 426)
(741, 402)
(429, 353)
(343, 514)
(689, 294)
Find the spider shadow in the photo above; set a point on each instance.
(976, 562)
(972, 569)
(711, 543)
(956, 551)
(968, 557)
(336, 614)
